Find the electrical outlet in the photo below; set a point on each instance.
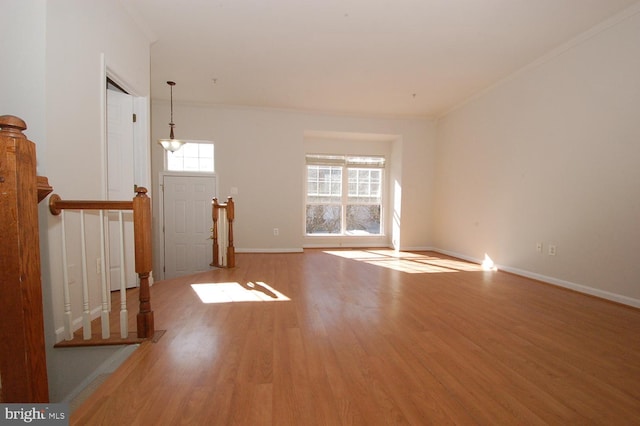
(276, 232)
(552, 249)
(539, 247)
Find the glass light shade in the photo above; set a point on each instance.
(171, 145)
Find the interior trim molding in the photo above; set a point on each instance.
(269, 250)
(602, 294)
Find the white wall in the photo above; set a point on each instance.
(416, 185)
(551, 155)
(261, 152)
(23, 45)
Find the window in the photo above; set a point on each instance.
(344, 195)
(192, 157)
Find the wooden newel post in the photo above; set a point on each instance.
(23, 368)
(231, 251)
(143, 254)
(214, 232)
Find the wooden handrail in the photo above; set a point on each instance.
(141, 206)
(57, 204)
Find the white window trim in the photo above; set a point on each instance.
(343, 160)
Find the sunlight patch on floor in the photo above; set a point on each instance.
(412, 263)
(236, 292)
(487, 264)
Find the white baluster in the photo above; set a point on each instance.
(86, 314)
(68, 330)
(223, 236)
(124, 317)
(104, 319)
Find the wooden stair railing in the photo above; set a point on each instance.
(141, 206)
(23, 367)
(224, 254)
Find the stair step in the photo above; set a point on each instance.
(114, 339)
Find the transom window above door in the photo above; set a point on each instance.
(192, 157)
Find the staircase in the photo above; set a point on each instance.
(23, 370)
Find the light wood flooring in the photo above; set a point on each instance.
(366, 338)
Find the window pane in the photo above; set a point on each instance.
(364, 186)
(312, 173)
(174, 162)
(192, 157)
(323, 219)
(324, 184)
(206, 164)
(191, 164)
(363, 219)
(206, 150)
(189, 150)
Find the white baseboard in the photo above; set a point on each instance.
(269, 250)
(614, 297)
(457, 255)
(417, 249)
(603, 294)
(346, 247)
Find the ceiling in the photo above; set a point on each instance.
(371, 57)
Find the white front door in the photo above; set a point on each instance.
(120, 184)
(187, 224)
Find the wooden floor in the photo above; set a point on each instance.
(366, 338)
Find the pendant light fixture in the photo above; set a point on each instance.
(172, 144)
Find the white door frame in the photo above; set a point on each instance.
(141, 146)
(160, 196)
